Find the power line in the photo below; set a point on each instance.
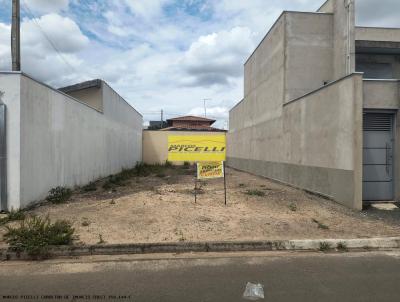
(27, 10)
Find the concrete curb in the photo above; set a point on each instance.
(223, 246)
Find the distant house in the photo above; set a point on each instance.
(155, 142)
(191, 123)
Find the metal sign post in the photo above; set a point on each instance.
(224, 180)
(195, 186)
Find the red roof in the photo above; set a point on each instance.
(192, 118)
(192, 128)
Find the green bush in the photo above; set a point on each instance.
(35, 235)
(324, 246)
(90, 187)
(13, 215)
(59, 195)
(168, 163)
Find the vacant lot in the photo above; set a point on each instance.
(160, 207)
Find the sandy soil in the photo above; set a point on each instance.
(162, 209)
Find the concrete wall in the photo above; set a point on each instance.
(155, 144)
(343, 35)
(64, 142)
(320, 142)
(10, 85)
(377, 34)
(90, 96)
(308, 46)
(381, 94)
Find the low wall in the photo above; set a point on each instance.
(60, 141)
(155, 144)
(322, 139)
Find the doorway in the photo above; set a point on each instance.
(378, 152)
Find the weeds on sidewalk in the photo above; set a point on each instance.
(59, 195)
(342, 247)
(324, 246)
(35, 235)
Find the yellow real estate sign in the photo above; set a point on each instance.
(207, 170)
(196, 148)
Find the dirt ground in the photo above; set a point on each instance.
(161, 208)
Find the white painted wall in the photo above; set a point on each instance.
(64, 142)
(10, 86)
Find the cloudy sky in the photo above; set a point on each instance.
(158, 54)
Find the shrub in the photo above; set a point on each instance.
(293, 207)
(255, 193)
(186, 165)
(59, 195)
(13, 215)
(324, 246)
(341, 246)
(35, 235)
(168, 163)
(141, 169)
(90, 187)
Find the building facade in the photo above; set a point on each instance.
(56, 139)
(155, 142)
(320, 107)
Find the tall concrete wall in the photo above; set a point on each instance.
(308, 52)
(64, 142)
(320, 143)
(10, 85)
(92, 96)
(343, 35)
(155, 144)
(377, 34)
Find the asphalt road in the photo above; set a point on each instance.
(369, 276)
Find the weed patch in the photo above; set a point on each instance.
(293, 207)
(90, 187)
(101, 240)
(255, 193)
(59, 195)
(14, 215)
(35, 235)
(341, 246)
(324, 246)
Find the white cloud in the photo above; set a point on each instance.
(218, 57)
(146, 9)
(62, 31)
(38, 58)
(46, 6)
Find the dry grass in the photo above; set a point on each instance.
(162, 209)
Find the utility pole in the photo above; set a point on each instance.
(162, 119)
(205, 108)
(15, 36)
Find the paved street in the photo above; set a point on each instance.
(207, 277)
